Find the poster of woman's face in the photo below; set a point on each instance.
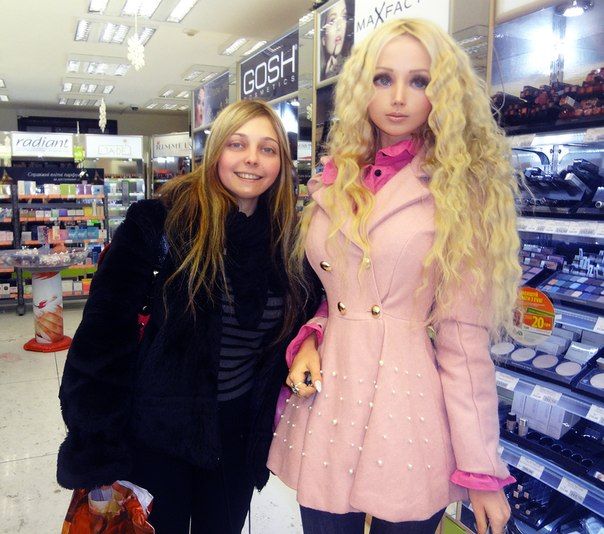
(337, 34)
(199, 98)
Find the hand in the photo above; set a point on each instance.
(491, 509)
(306, 361)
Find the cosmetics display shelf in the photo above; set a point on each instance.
(577, 489)
(562, 227)
(584, 135)
(553, 394)
(121, 192)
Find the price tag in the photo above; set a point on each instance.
(530, 466)
(574, 228)
(594, 134)
(599, 230)
(506, 381)
(596, 414)
(599, 326)
(546, 395)
(522, 141)
(572, 490)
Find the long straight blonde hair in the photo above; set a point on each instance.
(198, 206)
(467, 158)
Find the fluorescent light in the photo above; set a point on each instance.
(142, 8)
(97, 6)
(233, 47)
(258, 45)
(92, 88)
(151, 106)
(295, 103)
(121, 69)
(82, 31)
(91, 67)
(84, 88)
(107, 89)
(2, 84)
(120, 34)
(73, 66)
(97, 102)
(182, 94)
(167, 93)
(180, 11)
(145, 35)
(62, 101)
(183, 108)
(67, 87)
(114, 33)
(169, 106)
(574, 10)
(192, 75)
(77, 102)
(3, 98)
(208, 77)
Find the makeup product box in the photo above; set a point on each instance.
(25, 236)
(67, 286)
(64, 190)
(97, 189)
(77, 286)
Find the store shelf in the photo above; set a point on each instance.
(5, 270)
(575, 228)
(550, 393)
(66, 242)
(60, 219)
(6, 243)
(5, 197)
(67, 295)
(579, 490)
(83, 266)
(59, 197)
(6, 220)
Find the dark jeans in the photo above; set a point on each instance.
(317, 522)
(210, 501)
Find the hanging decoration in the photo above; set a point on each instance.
(102, 115)
(136, 50)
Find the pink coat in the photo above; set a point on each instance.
(397, 415)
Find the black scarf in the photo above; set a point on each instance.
(249, 264)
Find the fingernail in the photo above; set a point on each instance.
(318, 385)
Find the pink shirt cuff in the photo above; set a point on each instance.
(305, 331)
(480, 481)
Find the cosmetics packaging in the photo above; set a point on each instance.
(522, 427)
(510, 422)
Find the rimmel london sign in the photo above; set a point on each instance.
(45, 145)
(272, 72)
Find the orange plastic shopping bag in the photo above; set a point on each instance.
(121, 509)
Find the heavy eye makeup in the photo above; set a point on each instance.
(417, 81)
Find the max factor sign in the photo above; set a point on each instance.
(273, 72)
(45, 145)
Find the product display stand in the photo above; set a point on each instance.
(47, 294)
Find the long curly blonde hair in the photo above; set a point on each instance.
(466, 156)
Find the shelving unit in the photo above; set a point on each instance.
(579, 490)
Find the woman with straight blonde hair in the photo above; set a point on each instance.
(186, 412)
(412, 231)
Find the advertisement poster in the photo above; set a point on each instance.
(209, 100)
(42, 175)
(369, 14)
(336, 29)
(272, 72)
(533, 317)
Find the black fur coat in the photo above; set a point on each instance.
(162, 392)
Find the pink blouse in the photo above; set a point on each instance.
(388, 161)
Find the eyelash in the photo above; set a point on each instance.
(236, 145)
(384, 80)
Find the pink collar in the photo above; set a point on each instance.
(388, 161)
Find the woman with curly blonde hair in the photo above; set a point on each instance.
(412, 232)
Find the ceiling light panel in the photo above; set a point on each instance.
(67, 86)
(233, 47)
(3, 98)
(82, 31)
(145, 35)
(197, 73)
(175, 92)
(257, 46)
(142, 8)
(181, 10)
(2, 84)
(97, 6)
(167, 104)
(97, 66)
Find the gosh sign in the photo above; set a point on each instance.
(273, 72)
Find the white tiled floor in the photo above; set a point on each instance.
(31, 429)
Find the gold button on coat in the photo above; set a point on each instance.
(375, 311)
(326, 266)
(342, 308)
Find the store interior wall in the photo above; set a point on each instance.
(506, 9)
(128, 122)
